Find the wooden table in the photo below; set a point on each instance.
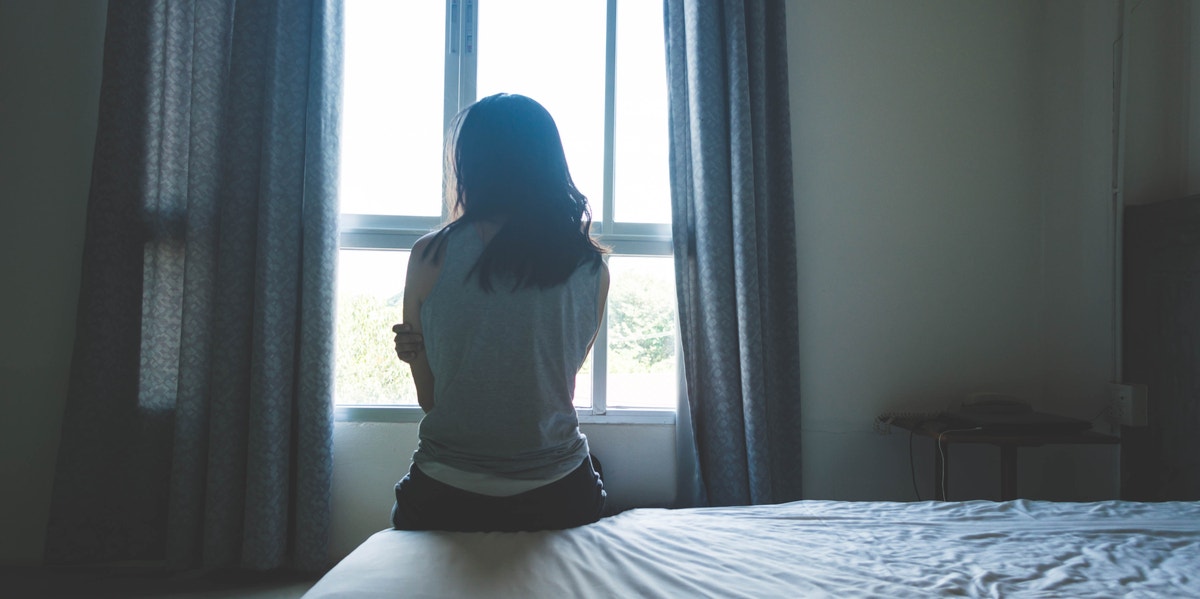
(944, 432)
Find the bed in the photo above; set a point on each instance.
(803, 549)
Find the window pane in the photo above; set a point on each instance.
(553, 52)
(583, 384)
(641, 192)
(370, 299)
(391, 144)
(641, 332)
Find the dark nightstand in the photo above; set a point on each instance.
(946, 430)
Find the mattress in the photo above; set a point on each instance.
(802, 549)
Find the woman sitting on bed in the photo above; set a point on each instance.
(507, 299)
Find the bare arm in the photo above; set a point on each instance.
(601, 299)
(422, 274)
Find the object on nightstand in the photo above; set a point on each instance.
(995, 403)
(993, 412)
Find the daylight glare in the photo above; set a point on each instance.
(395, 110)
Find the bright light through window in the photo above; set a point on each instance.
(392, 108)
(641, 135)
(641, 333)
(404, 79)
(370, 296)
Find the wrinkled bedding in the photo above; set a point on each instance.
(802, 549)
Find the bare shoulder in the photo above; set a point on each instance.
(424, 265)
(421, 249)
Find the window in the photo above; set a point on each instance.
(409, 68)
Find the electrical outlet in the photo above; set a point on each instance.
(882, 425)
(1129, 404)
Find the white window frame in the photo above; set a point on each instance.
(392, 232)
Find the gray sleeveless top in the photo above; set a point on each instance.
(504, 365)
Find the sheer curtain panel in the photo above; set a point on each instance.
(199, 418)
(735, 250)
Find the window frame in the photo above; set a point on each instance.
(400, 232)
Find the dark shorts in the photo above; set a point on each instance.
(423, 503)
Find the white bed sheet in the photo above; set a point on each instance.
(802, 549)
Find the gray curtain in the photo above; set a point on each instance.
(735, 250)
(198, 422)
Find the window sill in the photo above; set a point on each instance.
(413, 414)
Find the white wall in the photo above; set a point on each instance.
(927, 139)
(49, 90)
(1078, 233)
(1077, 204)
(1158, 106)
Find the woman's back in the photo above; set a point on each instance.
(504, 363)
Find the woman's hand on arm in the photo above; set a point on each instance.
(408, 343)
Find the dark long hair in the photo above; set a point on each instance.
(505, 162)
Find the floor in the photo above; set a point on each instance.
(54, 583)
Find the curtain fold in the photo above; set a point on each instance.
(735, 249)
(198, 426)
